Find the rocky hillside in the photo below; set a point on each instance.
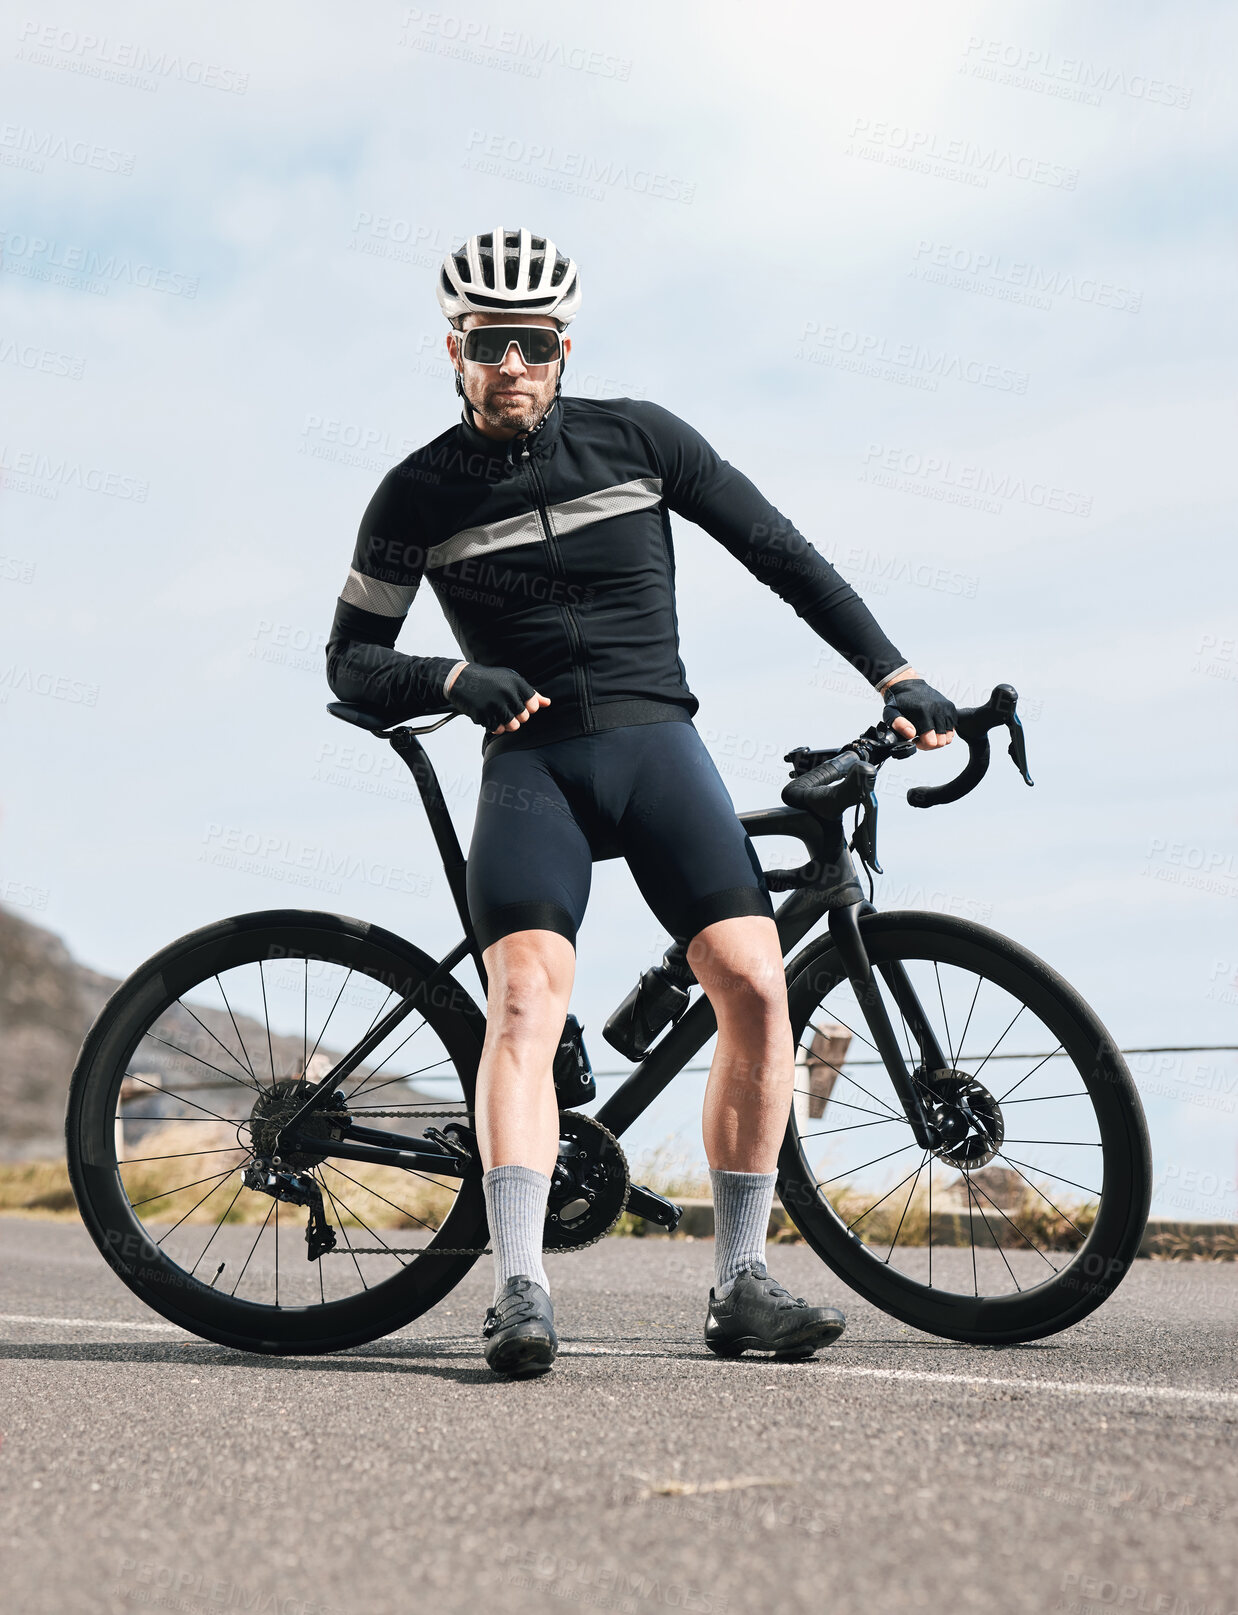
(47, 1002)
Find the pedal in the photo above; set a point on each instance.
(653, 1207)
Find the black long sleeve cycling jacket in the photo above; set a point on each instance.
(552, 554)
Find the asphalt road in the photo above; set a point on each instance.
(142, 1468)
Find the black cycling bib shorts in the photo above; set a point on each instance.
(649, 793)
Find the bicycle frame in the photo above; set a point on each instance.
(827, 886)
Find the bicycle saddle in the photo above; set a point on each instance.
(361, 716)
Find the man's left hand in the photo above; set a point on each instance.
(916, 711)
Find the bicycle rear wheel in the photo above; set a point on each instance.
(1029, 1220)
(190, 1068)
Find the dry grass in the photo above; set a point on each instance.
(165, 1190)
(668, 1170)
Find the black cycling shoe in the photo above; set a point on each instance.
(757, 1314)
(519, 1330)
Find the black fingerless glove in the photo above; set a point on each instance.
(922, 705)
(491, 696)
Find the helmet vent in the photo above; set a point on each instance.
(560, 269)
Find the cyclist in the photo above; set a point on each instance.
(542, 525)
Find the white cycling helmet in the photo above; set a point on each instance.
(531, 277)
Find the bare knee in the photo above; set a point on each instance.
(530, 977)
(739, 966)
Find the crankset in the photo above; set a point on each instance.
(589, 1187)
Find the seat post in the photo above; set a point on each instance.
(416, 760)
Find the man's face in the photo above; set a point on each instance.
(510, 397)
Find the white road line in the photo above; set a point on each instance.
(89, 1323)
(918, 1376)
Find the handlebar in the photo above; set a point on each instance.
(828, 782)
(973, 727)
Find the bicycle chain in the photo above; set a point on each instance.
(424, 1250)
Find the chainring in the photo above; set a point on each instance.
(589, 1189)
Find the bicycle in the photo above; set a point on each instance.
(1029, 1234)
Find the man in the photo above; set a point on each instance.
(542, 525)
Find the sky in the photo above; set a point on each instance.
(953, 285)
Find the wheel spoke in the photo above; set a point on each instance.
(217, 1227)
(945, 1019)
(1041, 1192)
(1025, 1237)
(192, 1209)
(343, 1230)
(901, 1149)
(1041, 1099)
(991, 1052)
(967, 1022)
(330, 1012)
(253, 1247)
(166, 1194)
(266, 1017)
(361, 1219)
(140, 1160)
(236, 1028)
(906, 1208)
(421, 1223)
(1045, 1173)
(862, 1109)
(884, 1197)
(825, 1132)
(1003, 1097)
(255, 1083)
(189, 1055)
(996, 1244)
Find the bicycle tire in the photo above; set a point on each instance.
(1104, 1256)
(90, 1129)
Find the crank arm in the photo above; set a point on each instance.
(653, 1207)
(845, 932)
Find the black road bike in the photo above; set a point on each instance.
(966, 1148)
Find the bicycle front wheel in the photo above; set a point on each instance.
(188, 1073)
(1028, 1219)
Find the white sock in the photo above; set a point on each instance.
(742, 1203)
(516, 1211)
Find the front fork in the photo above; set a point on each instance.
(844, 926)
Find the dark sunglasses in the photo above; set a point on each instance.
(488, 344)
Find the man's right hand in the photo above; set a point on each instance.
(496, 697)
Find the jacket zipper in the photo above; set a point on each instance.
(575, 637)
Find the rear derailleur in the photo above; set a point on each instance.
(297, 1189)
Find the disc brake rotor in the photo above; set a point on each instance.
(969, 1117)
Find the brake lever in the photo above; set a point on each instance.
(864, 841)
(1017, 749)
